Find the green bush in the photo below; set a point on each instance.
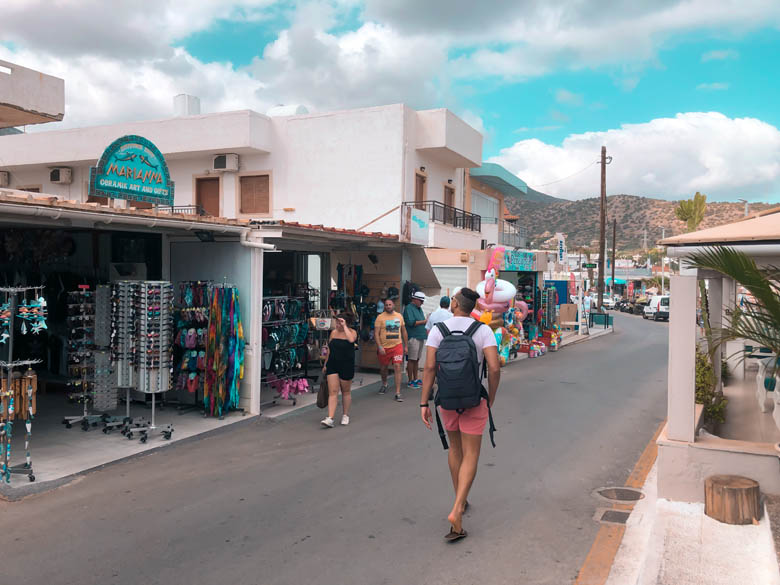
(714, 402)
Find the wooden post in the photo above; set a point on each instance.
(732, 499)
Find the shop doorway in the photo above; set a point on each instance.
(207, 195)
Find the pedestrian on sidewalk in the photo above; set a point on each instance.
(415, 320)
(441, 314)
(339, 368)
(391, 341)
(464, 426)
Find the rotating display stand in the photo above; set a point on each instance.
(33, 319)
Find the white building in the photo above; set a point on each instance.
(356, 169)
(29, 97)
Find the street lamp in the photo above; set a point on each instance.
(747, 206)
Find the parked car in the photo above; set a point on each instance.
(658, 308)
(609, 302)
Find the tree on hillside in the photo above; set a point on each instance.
(692, 211)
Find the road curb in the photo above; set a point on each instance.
(15, 494)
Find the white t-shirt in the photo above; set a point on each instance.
(483, 337)
(439, 315)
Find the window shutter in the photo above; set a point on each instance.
(255, 194)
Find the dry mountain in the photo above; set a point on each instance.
(579, 220)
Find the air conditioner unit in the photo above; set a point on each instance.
(60, 176)
(5, 178)
(225, 162)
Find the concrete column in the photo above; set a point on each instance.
(255, 336)
(682, 359)
(716, 296)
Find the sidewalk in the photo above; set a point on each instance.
(674, 543)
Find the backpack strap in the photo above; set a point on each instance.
(472, 328)
(443, 329)
(492, 427)
(442, 434)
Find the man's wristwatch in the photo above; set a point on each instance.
(426, 405)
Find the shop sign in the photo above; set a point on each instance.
(589, 265)
(630, 289)
(562, 256)
(417, 226)
(519, 261)
(132, 168)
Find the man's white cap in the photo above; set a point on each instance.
(418, 295)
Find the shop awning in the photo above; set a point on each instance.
(19, 208)
(608, 280)
(300, 236)
(422, 272)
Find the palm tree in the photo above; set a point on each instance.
(757, 321)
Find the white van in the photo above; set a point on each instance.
(657, 308)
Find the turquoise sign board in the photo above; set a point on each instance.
(132, 168)
(519, 261)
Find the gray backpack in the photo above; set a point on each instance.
(458, 375)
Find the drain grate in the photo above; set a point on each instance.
(620, 494)
(614, 516)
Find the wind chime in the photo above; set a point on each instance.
(31, 312)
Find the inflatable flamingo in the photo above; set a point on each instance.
(496, 295)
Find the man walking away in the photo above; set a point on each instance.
(415, 326)
(441, 314)
(464, 426)
(391, 339)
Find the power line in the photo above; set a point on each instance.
(595, 162)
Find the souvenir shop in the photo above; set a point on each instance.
(314, 274)
(119, 330)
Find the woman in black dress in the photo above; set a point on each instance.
(340, 368)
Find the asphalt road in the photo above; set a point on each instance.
(285, 502)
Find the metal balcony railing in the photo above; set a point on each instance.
(183, 209)
(447, 215)
(512, 235)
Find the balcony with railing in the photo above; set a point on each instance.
(512, 235)
(447, 226)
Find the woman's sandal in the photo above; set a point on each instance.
(454, 536)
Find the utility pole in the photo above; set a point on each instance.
(603, 229)
(614, 248)
(663, 236)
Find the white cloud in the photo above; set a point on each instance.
(669, 157)
(719, 55)
(104, 91)
(716, 86)
(564, 96)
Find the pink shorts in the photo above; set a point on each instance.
(471, 421)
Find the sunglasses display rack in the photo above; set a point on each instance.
(104, 387)
(81, 356)
(123, 344)
(154, 310)
(192, 328)
(17, 397)
(285, 337)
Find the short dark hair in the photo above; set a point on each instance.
(467, 299)
(444, 302)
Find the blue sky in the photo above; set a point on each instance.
(682, 92)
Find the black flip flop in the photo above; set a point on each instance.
(455, 536)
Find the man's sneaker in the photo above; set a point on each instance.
(411, 384)
(327, 422)
(398, 398)
(383, 389)
(418, 383)
(345, 420)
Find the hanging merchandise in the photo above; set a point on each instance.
(225, 351)
(291, 337)
(18, 394)
(192, 324)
